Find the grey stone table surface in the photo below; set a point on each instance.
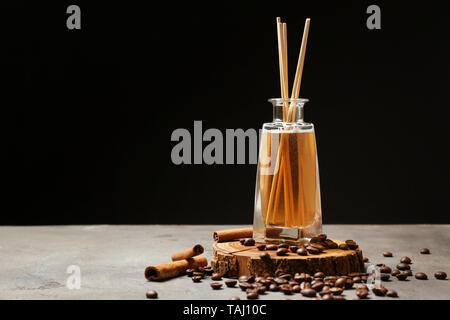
(112, 259)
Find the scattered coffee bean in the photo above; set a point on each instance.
(197, 278)
(198, 274)
(305, 285)
(283, 245)
(265, 256)
(253, 294)
(343, 246)
(319, 275)
(189, 272)
(216, 276)
(340, 283)
(251, 279)
(274, 287)
(402, 276)
(322, 237)
(330, 244)
(365, 259)
(286, 289)
(261, 247)
(317, 246)
(408, 272)
(385, 276)
(392, 293)
(261, 289)
(425, 251)
(405, 259)
(351, 244)
(314, 240)
(286, 276)
(317, 286)
(421, 276)
(282, 252)
(242, 241)
(293, 249)
(379, 291)
(362, 293)
(312, 250)
(336, 291)
(339, 298)
(364, 279)
(271, 247)
(215, 285)
(152, 294)
(296, 288)
(403, 266)
(385, 269)
(348, 284)
(302, 252)
(308, 292)
(235, 298)
(361, 286)
(395, 272)
(356, 279)
(230, 283)
(440, 275)
(245, 285)
(249, 242)
(280, 281)
(387, 254)
(243, 279)
(327, 296)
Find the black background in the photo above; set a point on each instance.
(88, 114)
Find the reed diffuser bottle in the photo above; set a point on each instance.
(287, 197)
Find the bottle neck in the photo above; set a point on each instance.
(288, 112)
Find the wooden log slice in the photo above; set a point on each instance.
(232, 259)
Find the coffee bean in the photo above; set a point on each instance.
(440, 275)
(340, 283)
(197, 278)
(243, 279)
(251, 279)
(308, 292)
(265, 256)
(385, 269)
(330, 244)
(314, 240)
(403, 266)
(302, 252)
(361, 286)
(336, 291)
(280, 281)
(379, 291)
(408, 272)
(318, 246)
(365, 259)
(392, 293)
(364, 279)
(261, 289)
(387, 254)
(271, 247)
(198, 274)
(235, 298)
(274, 287)
(402, 276)
(317, 286)
(230, 283)
(348, 283)
(362, 293)
(293, 249)
(421, 276)
(339, 298)
(216, 276)
(312, 250)
(282, 252)
(283, 245)
(253, 294)
(356, 279)
(322, 237)
(327, 296)
(249, 242)
(215, 285)
(343, 246)
(385, 276)
(286, 289)
(261, 247)
(152, 294)
(425, 251)
(395, 272)
(242, 241)
(189, 272)
(286, 276)
(405, 259)
(351, 244)
(245, 285)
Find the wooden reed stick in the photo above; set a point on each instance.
(300, 63)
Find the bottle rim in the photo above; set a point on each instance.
(279, 101)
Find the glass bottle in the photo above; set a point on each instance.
(287, 196)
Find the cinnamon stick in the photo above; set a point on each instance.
(232, 234)
(188, 253)
(173, 269)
